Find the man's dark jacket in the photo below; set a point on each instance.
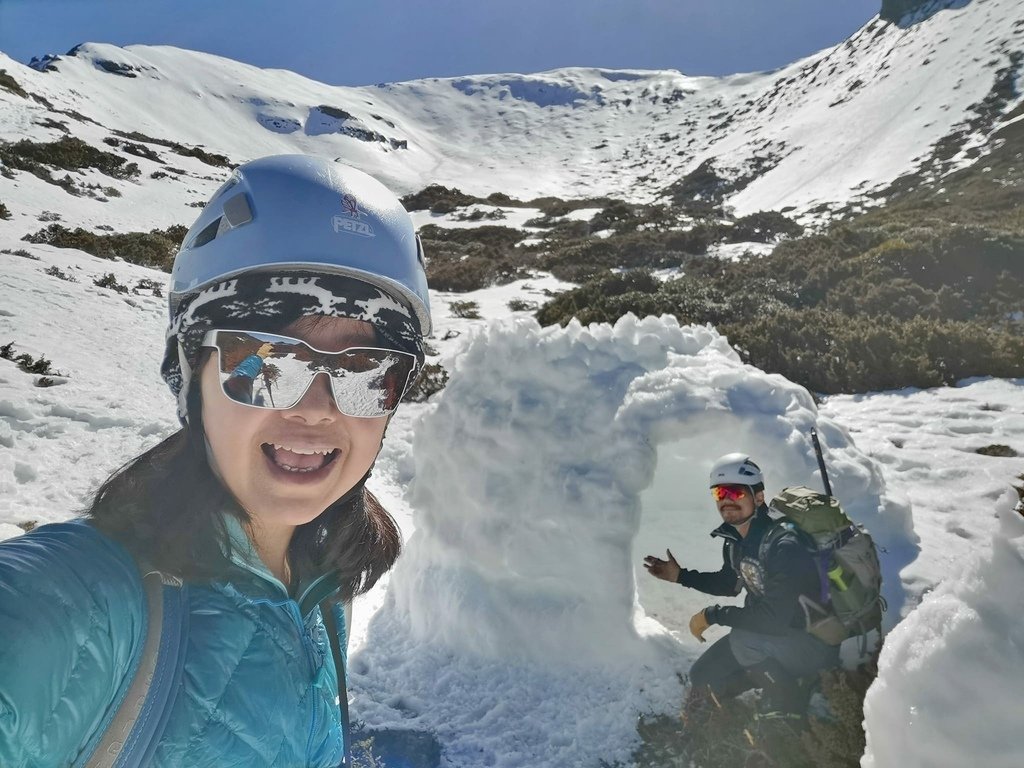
(773, 583)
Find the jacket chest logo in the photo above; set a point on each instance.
(752, 573)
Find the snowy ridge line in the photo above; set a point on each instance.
(828, 129)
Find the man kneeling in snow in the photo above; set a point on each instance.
(768, 646)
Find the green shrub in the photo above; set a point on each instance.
(139, 150)
(149, 249)
(8, 83)
(147, 284)
(110, 281)
(218, 161)
(473, 258)
(5, 212)
(492, 236)
(431, 380)
(438, 199)
(831, 352)
(763, 227)
(691, 299)
(918, 293)
(579, 260)
(624, 217)
(20, 252)
(55, 271)
(469, 274)
(556, 206)
(210, 158)
(702, 190)
(39, 365)
(467, 310)
(481, 215)
(67, 153)
(522, 305)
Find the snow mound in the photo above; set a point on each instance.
(552, 457)
(964, 643)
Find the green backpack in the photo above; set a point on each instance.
(850, 601)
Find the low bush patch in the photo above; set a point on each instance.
(522, 305)
(155, 248)
(431, 380)
(67, 153)
(20, 252)
(110, 281)
(55, 271)
(473, 258)
(877, 302)
(467, 310)
(8, 83)
(38, 365)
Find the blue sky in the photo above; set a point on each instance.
(356, 43)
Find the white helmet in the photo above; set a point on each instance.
(736, 469)
(300, 212)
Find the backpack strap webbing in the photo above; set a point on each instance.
(131, 737)
(784, 525)
(327, 611)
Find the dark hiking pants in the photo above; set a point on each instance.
(743, 660)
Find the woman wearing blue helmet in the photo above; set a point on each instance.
(298, 307)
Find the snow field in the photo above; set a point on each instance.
(948, 691)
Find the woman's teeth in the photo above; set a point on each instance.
(303, 451)
(299, 459)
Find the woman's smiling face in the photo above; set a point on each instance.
(285, 467)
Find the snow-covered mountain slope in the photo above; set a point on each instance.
(811, 133)
(824, 130)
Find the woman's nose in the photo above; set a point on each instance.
(317, 403)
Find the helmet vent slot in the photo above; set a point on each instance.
(208, 233)
(237, 210)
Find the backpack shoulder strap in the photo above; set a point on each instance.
(780, 527)
(131, 737)
(337, 634)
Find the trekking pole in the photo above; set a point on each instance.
(821, 462)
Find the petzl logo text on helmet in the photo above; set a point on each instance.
(350, 219)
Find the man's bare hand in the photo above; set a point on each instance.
(667, 570)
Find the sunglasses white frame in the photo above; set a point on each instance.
(210, 342)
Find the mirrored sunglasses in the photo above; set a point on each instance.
(730, 492)
(266, 370)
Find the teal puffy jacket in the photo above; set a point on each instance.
(259, 687)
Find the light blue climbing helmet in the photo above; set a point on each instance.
(299, 212)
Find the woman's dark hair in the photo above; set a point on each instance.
(165, 507)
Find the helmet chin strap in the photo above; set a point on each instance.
(752, 515)
(745, 520)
